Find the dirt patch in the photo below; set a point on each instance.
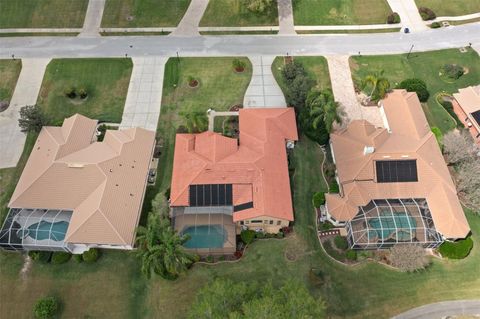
(27, 264)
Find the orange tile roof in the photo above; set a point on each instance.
(407, 136)
(101, 182)
(256, 164)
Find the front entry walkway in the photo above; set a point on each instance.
(408, 11)
(285, 17)
(263, 90)
(93, 18)
(144, 97)
(188, 26)
(344, 92)
(12, 139)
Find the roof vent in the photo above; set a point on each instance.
(368, 150)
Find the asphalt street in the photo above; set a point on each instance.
(137, 46)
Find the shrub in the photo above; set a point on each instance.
(334, 188)
(259, 235)
(238, 65)
(448, 106)
(280, 234)
(221, 258)
(327, 245)
(318, 199)
(292, 70)
(438, 135)
(247, 236)
(83, 93)
(90, 256)
(456, 250)
(408, 257)
(427, 13)
(70, 92)
(60, 257)
(41, 256)
(416, 85)
(452, 71)
(45, 308)
(435, 25)
(341, 242)
(259, 6)
(351, 255)
(78, 258)
(325, 226)
(393, 18)
(209, 259)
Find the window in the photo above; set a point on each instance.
(271, 222)
(279, 222)
(256, 221)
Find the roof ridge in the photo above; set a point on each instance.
(111, 225)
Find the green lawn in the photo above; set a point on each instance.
(425, 66)
(451, 7)
(105, 80)
(234, 13)
(42, 14)
(9, 72)
(316, 67)
(143, 13)
(340, 12)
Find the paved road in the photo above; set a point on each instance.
(442, 310)
(55, 47)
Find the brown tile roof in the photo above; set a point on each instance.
(407, 136)
(257, 165)
(469, 100)
(101, 182)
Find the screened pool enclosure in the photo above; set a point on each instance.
(383, 223)
(35, 229)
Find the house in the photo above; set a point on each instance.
(394, 184)
(75, 193)
(466, 105)
(221, 185)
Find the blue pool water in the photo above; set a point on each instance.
(57, 232)
(384, 227)
(205, 236)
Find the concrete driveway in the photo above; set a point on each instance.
(443, 310)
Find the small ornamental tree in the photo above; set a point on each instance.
(453, 71)
(238, 65)
(427, 13)
(45, 308)
(408, 257)
(393, 18)
(32, 119)
(247, 236)
(416, 85)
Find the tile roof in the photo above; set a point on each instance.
(469, 100)
(256, 164)
(101, 182)
(407, 136)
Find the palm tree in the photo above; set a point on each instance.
(323, 108)
(161, 250)
(195, 121)
(379, 84)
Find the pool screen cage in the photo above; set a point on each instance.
(383, 223)
(210, 217)
(35, 229)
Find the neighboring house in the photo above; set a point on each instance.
(467, 107)
(394, 184)
(76, 193)
(221, 185)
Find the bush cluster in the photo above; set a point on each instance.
(453, 71)
(456, 250)
(416, 85)
(340, 242)
(60, 257)
(318, 199)
(427, 13)
(435, 25)
(393, 18)
(90, 256)
(45, 308)
(351, 255)
(71, 92)
(41, 256)
(247, 236)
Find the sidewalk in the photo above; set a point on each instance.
(26, 92)
(263, 90)
(93, 18)
(188, 26)
(408, 11)
(285, 17)
(344, 92)
(457, 18)
(144, 97)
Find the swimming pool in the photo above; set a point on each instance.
(388, 224)
(45, 230)
(205, 236)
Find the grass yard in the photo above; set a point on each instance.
(143, 13)
(105, 80)
(316, 67)
(234, 13)
(42, 14)
(451, 7)
(9, 72)
(425, 66)
(340, 12)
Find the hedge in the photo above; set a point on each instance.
(60, 257)
(90, 256)
(247, 236)
(456, 250)
(41, 256)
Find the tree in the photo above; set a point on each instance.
(259, 6)
(468, 181)
(378, 84)
(292, 70)
(408, 257)
(458, 147)
(415, 85)
(298, 90)
(323, 108)
(195, 121)
(161, 248)
(45, 308)
(32, 119)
